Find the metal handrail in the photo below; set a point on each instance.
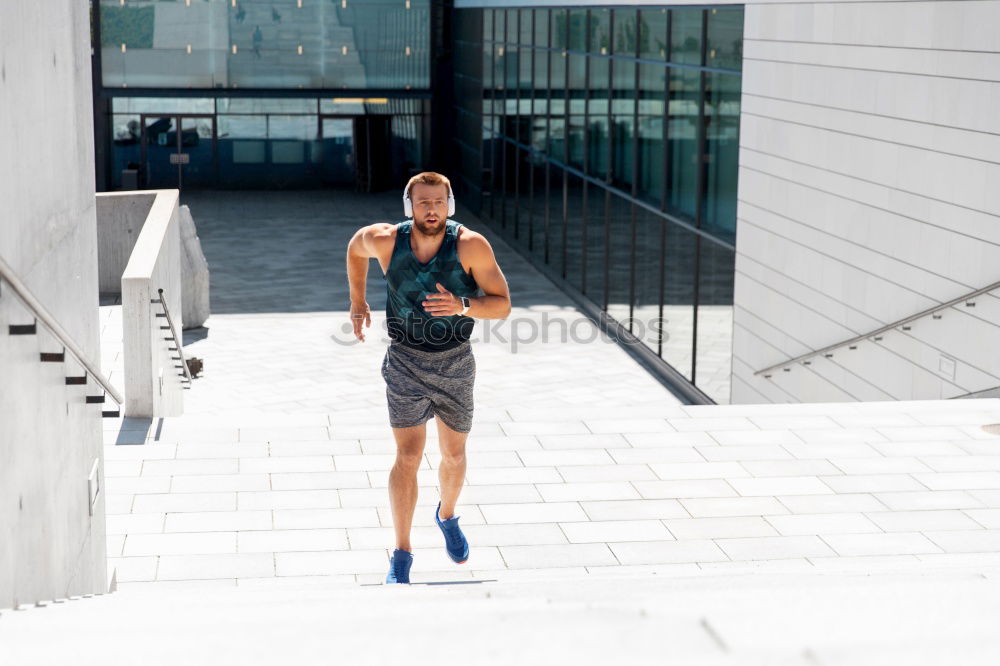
(883, 329)
(33, 304)
(173, 333)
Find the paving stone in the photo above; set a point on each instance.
(774, 548)
(900, 543)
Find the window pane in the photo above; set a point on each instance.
(599, 36)
(574, 231)
(557, 213)
(652, 84)
(685, 38)
(512, 65)
(499, 25)
(557, 138)
(620, 258)
(487, 25)
(599, 84)
(575, 140)
(623, 116)
(649, 228)
(682, 140)
(597, 146)
(725, 38)
(653, 34)
(595, 247)
(292, 127)
(540, 208)
(541, 84)
(625, 32)
(678, 298)
(560, 24)
(577, 74)
(541, 27)
(722, 145)
(512, 26)
(487, 69)
(577, 29)
(242, 127)
(499, 67)
(266, 105)
(525, 29)
(164, 105)
(126, 134)
(715, 321)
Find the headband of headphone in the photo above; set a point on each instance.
(408, 205)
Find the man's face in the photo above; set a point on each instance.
(430, 207)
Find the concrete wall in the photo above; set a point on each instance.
(153, 385)
(869, 164)
(120, 218)
(50, 545)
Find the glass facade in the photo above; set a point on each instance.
(314, 44)
(263, 93)
(266, 143)
(604, 142)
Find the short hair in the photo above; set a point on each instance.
(428, 178)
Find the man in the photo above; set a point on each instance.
(434, 269)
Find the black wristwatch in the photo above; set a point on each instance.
(466, 304)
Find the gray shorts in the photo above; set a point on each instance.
(420, 384)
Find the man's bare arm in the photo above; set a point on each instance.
(366, 244)
(495, 303)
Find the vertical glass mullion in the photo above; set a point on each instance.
(586, 155)
(635, 172)
(609, 169)
(517, 128)
(503, 124)
(565, 174)
(666, 182)
(548, 128)
(699, 190)
(531, 143)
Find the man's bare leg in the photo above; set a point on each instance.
(451, 474)
(403, 480)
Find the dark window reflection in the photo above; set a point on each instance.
(664, 130)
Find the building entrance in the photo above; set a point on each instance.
(178, 151)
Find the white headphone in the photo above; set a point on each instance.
(408, 205)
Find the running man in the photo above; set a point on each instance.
(434, 269)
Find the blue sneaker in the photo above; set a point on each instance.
(454, 541)
(399, 567)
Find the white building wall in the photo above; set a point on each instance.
(50, 545)
(868, 188)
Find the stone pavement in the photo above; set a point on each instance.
(579, 462)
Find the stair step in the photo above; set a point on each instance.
(76, 380)
(109, 413)
(95, 399)
(22, 329)
(52, 357)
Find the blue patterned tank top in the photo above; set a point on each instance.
(408, 282)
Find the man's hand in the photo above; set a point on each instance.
(443, 303)
(360, 314)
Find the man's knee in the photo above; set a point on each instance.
(453, 457)
(409, 459)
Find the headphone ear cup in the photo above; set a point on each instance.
(407, 206)
(451, 205)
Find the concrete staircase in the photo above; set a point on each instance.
(788, 619)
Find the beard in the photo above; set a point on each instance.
(428, 229)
